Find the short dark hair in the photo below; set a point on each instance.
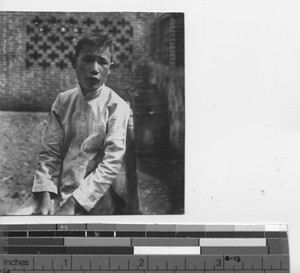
(102, 40)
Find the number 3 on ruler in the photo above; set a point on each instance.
(219, 262)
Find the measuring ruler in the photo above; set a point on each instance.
(143, 248)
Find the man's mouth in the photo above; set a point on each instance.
(93, 80)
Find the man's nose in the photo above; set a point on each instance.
(94, 69)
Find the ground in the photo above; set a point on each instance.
(160, 178)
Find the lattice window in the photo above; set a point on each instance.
(51, 40)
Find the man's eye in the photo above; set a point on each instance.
(88, 59)
(102, 62)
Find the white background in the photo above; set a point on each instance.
(242, 111)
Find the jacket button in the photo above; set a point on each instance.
(92, 198)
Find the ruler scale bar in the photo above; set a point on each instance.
(122, 248)
(249, 262)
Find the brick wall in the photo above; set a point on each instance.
(36, 47)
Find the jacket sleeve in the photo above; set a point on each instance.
(97, 183)
(50, 157)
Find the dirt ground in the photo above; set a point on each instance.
(160, 179)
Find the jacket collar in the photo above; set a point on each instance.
(90, 95)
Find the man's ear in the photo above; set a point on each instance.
(112, 67)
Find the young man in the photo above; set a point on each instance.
(85, 140)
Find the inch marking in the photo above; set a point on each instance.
(272, 267)
(147, 261)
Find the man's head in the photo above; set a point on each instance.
(92, 60)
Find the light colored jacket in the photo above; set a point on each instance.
(83, 146)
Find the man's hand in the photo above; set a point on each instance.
(45, 205)
(71, 207)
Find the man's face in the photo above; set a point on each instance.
(92, 67)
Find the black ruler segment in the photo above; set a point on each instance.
(70, 233)
(249, 234)
(43, 233)
(229, 234)
(191, 234)
(160, 234)
(165, 242)
(14, 234)
(130, 234)
(100, 234)
(142, 248)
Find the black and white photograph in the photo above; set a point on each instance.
(92, 113)
(174, 121)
